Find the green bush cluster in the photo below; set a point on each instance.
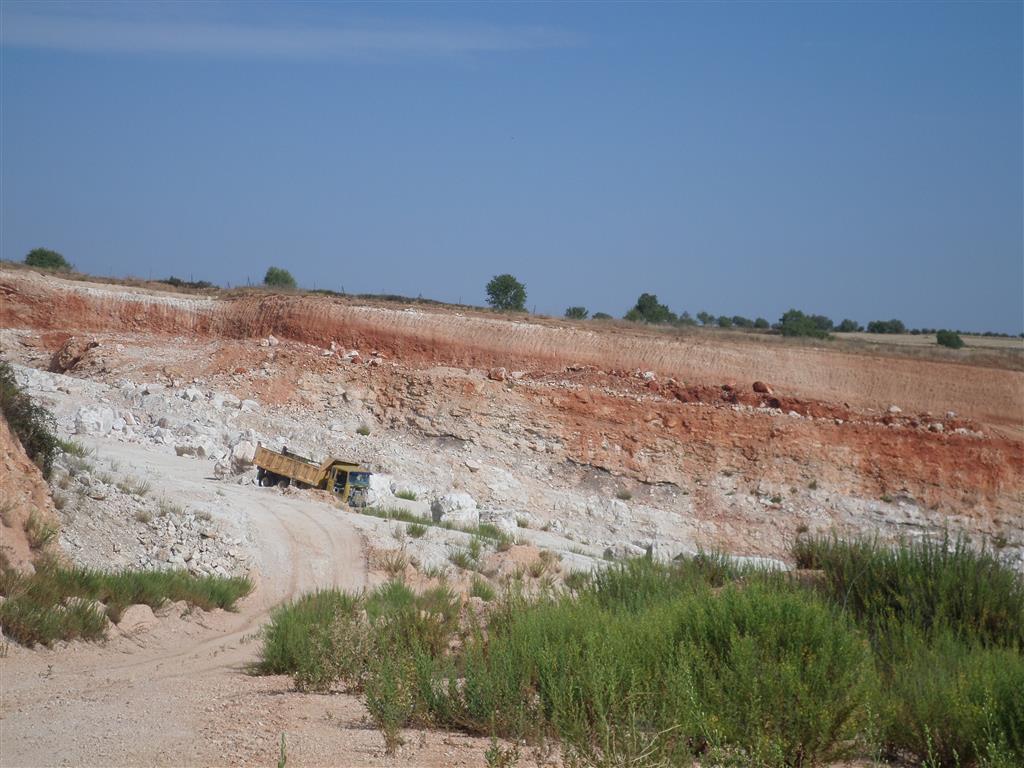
(796, 323)
(949, 339)
(31, 423)
(56, 602)
(886, 326)
(912, 651)
(44, 258)
(947, 625)
(276, 277)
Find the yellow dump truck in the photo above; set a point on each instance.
(342, 478)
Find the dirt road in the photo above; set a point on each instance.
(151, 700)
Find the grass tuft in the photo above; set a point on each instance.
(482, 588)
(38, 532)
(58, 602)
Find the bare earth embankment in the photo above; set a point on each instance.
(582, 439)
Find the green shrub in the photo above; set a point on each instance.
(406, 494)
(601, 316)
(886, 326)
(391, 695)
(701, 669)
(796, 323)
(177, 282)
(416, 530)
(953, 703)
(649, 310)
(32, 424)
(932, 584)
(949, 339)
(648, 664)
(363, 430)
(576, 313)
(279, 278)
(306, 635)
(44, 258)
(297, 631)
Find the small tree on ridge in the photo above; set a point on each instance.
(279, 278)
(504, 292)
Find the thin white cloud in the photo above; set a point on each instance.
(99, 34)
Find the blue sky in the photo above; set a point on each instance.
(858, 160)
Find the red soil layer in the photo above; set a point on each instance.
(581, 389)
(993, 396)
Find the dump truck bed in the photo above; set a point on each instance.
(297, 468)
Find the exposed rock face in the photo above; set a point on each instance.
(456, 508)
(71, 353)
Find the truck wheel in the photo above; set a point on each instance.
(268, 480)
(284, 482)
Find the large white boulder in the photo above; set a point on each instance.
(380, 490)
(94, 420)
(456, 508)
(242, 455)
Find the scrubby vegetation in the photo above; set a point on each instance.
(416, 522)
(60, 602)
(886, 326)
(177, 282)
(44, 258)
(913, 652)
(279, 278)
(796, 323)
(649, 310)
(31, 423)
(949, 339)
(576, 313)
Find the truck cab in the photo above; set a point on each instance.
(350, 482)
